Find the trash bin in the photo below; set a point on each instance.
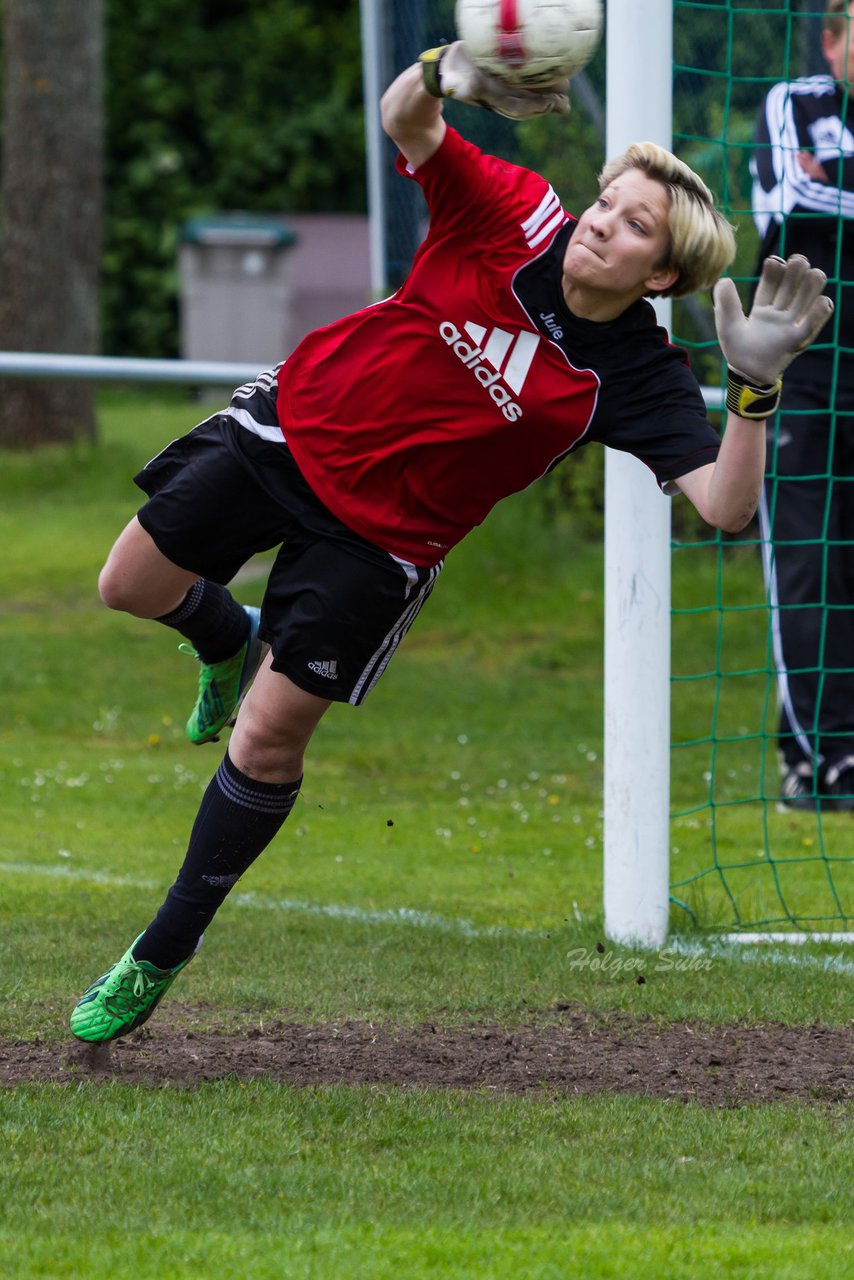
(236, 291)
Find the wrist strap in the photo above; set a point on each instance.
(430, 60)
(748, 400)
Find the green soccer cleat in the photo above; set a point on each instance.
(223, 684)
(123, 999)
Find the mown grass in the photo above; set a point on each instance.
(265, 1181)
(444, 862)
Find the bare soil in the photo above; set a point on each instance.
(579, 1054)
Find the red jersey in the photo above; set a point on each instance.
(413, 417)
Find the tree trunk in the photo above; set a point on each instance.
(52, 199)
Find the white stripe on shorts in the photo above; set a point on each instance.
(244, 419)
(258, 398)
(384, 654)
(265, 381)
(411, 573)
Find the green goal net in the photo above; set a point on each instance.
(762, 864)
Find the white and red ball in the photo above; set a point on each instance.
(530, 42)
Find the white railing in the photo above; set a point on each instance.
(34, 364)
(22, 364)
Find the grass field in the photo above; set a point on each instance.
(443, 863)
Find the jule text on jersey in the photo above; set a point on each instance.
(499, 360)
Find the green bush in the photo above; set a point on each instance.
(214, 106)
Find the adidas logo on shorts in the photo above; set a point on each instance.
(328, 668)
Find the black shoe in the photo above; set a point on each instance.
(839, 785)
(797, 790)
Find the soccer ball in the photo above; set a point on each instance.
(530, 42)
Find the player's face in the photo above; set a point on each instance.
(620, 242)
(839, 50)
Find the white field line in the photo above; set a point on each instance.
(713, 948)
(63, 872)
(760, 953)
(394, 915)
(293, 906)
(797, 938)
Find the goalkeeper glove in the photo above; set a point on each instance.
(788, 311)
(450, 73)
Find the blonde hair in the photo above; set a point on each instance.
(702, 242)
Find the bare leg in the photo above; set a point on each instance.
(274, 727)
(138, 579)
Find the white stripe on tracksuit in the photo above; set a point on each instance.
(815, 99)
(783, 692)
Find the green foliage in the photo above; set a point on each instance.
(574, 493)
(215, 106)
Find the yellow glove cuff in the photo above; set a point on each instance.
(749, 401)
(430, 60)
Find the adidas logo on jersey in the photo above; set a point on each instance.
(327, 668)
(500, 362)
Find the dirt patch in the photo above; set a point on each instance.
(581, 1054)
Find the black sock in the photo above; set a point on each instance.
(237, 819)
(211, 619)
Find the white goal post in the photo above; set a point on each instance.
(636, 863)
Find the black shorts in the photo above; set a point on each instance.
(335, 606)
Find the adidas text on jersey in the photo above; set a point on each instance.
(502, 362)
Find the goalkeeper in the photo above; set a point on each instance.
(520, 335)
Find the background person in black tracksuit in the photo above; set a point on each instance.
(803, 202)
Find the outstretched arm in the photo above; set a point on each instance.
(412, 117)
(726, 492)
(787, 313)
(411, 107)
